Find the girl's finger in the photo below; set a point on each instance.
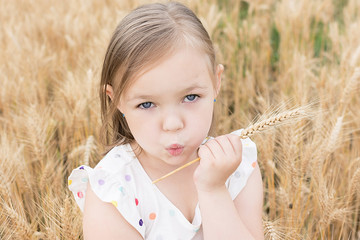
(213, 145)
(226, 145)
(235, 143)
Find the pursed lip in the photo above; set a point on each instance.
(175, 149)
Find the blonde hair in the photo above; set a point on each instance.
(144, 36)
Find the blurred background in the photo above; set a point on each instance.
(277, 55)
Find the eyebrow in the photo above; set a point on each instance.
(146, 96)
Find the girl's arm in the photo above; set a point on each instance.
(249, 204)
(239, 219)
(103, 221)
(222, 217)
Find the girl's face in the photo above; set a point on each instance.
(169, 108)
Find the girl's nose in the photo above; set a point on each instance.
(172, 122)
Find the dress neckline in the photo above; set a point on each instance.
(196, 221)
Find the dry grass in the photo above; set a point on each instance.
(288, 53)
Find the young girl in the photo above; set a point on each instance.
(158, 87)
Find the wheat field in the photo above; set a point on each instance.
(277, 55)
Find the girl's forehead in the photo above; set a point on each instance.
(184, 69)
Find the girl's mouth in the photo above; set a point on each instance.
(175, 149)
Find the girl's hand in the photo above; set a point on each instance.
(219, 158)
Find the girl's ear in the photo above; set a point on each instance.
(109, 91)
(219, 71)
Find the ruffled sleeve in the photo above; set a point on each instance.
(111, 181)
(237, 181)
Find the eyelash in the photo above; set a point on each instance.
(141, 106)
(195, 95)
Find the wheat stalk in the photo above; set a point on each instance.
(51, 234)
(66, 220)
(251, 130)
(5, 186)
(349, 89)
(271, 232)
(23, 228)
(354, 189)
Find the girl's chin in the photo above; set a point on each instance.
(175, 158)
(179, 160)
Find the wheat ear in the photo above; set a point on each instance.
(23, 228)
(349, 89)
(272, 121)
(251, 130)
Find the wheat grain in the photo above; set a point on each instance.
(272, 51)
(354, 189)
(334, 137)
(251, 130)
(5, 186)
(272, 231)
(349, 90)
(76, 151)
(272, 121)
(88, 148)
(46, 175)
(66, 220)
(354, 58)
(23, 229)
(51, 234)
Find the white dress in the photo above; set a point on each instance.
(120, 179)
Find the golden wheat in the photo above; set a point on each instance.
(249, 131)
(21, 226)
(307, 51)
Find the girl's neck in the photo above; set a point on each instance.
(184, 195)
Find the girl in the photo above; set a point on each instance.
(158, 87)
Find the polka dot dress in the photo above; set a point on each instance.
(119, 179)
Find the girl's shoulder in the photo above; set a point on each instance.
(112, 180)
(117, 159)
(114, 171)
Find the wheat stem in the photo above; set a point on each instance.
(249, 131)
(23, 228)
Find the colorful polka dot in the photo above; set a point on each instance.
(69, 182)
(136, 201)
(80, 194)
(141, 222)
(152, 216)
(253, 164)
(82, 167)
(196, 229)
(117, 155)
(85, 179)
(128, 178)
(172, 212)
(237, 174)
(101, 182)
(114, 203)
(122, 190)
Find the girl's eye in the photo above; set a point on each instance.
(146, 105)
(191, 98)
